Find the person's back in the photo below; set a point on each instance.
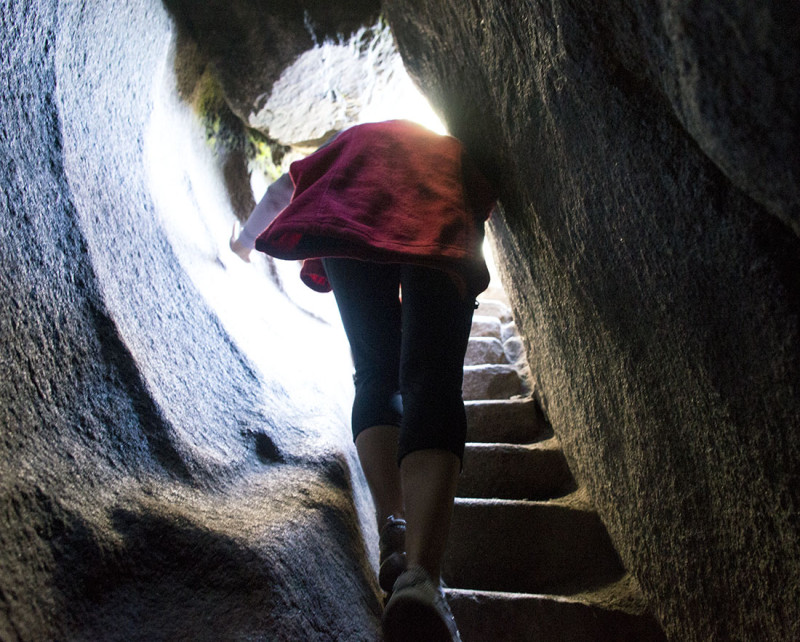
(382, 209)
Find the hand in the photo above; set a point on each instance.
(236, 247)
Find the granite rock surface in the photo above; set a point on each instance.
(647, 156)
(175, 465)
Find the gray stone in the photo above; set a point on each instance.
(510, 471)
(494, 308)
(491, 382)
(647, 155)
(514, 349)
(508, 330)
(324, 90)
(484, 350)
(575, 551)
(161, 478)
(515, 421)
(485, 326)
(596, 617)
(250, 44)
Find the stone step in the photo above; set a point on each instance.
(486, 326)
(514, 421)
(514, 350)
(494, 308)
(508, 331)
(485, 616)
(491, 382)
(511, 471)
(484, 350)
(505, 554)
(558, 547)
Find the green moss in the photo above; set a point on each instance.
(264, 154)
(224, 130)
(226, 133)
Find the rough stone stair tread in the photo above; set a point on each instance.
(485, 350)
(529, 555)
(486, 326)
(495, 368)
(515, 420)
(528, 546)
(494, 308)
(540, 471)
(496, 616)
(544, 445)
(491, 381)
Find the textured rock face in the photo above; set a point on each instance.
(647, 157)
(168, 471)
(250, 43)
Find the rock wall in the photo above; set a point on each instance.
(647, 156)
(175, 464)
(250, 43)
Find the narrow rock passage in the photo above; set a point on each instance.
(528, 558)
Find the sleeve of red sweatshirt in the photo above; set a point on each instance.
(276, 198)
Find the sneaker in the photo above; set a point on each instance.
(392, 545)
(418, 611)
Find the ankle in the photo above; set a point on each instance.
(434, 571)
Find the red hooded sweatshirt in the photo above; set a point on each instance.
(391, 192)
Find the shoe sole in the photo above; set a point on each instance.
(409, 620)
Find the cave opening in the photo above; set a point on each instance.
(209, 163)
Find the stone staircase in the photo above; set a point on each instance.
(528, 558)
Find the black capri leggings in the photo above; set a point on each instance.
(409, 356)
